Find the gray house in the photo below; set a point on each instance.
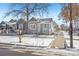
(41, 26)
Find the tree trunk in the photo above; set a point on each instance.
(27, 18)
(71, 34)
(71, 27)
(27, 22)
(20, 38)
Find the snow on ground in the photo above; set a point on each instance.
(28, 40)
(38, 40)
(43, 40)
(75, 43)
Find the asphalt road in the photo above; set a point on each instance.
(6, 51)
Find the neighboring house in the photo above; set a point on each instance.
(76, 27)
(12, 25)
(64, 27)
(3, 25)
(20, 24)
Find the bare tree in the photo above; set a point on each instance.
(26, 10)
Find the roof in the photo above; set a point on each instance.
(12, 20)
(38, 19)
(21, 21)
(46, 19)
(2, 22)
(33, 19)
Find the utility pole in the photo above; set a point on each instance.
(71, 26)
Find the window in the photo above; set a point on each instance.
(46, 25)
(33, 26)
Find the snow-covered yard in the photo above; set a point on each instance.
(41, 40)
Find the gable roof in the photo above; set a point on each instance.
(12, 20)
(38, 19)
(46, 19)
(33, 19)
(21, 21)
(2, 22)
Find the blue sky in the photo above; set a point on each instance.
(54, 10)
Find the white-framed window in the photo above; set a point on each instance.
(46, 25)
(33, 26)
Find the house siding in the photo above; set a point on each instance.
(40, 27)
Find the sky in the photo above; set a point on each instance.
(53, 12)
